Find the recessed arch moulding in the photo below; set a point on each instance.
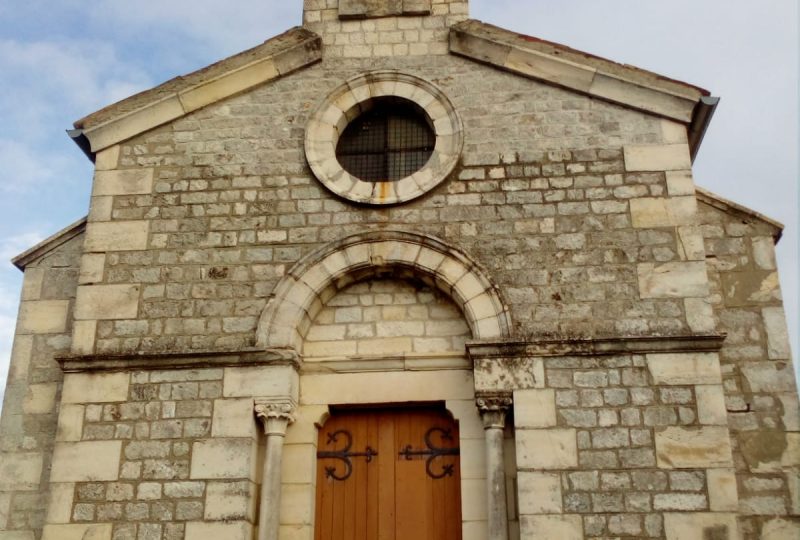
(316, 278)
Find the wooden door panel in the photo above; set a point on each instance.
(388, 475)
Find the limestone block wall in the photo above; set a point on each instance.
(760, 389)
(621, 446)
(160, 454)
(365, 32)
(30, 408)
(193, 224)
(387, 317)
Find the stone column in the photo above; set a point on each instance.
(275, 416)
(493, 410)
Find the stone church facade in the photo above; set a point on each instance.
(542, 329)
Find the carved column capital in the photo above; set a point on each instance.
(275, 414)
(493, 408)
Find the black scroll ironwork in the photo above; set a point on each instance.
(434, 452)
(344, 455)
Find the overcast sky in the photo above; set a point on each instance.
(62, 59)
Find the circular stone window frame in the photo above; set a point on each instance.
(355, 97)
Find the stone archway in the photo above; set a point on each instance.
(300, 295)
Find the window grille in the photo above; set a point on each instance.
(389, 142)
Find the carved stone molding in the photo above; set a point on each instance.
(493, 408)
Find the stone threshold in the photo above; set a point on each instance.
(599, 346)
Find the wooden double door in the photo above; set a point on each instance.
(388, 474)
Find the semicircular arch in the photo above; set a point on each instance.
(317, 277)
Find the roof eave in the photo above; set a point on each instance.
(49, 244)
(730, 207)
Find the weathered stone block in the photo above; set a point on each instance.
(59, 506)
(539, 493)
(92, 268)
(277, 381)
(508, 374)
(547, 449)
(780, 529)
(40, 398)
(769, 376)
(673, 280)
(229, 501)
(108, 159)
(693, 448)
(78, 531)
(777, 333)
(548, 527)
(658, 157)
(43, 317)
(90, 461)
(684, 368)
(234, 418)
(699, 315)
(650, 212)
(20, 471)
(700, 526)
(116, 236)
(748, 288)
(534, 408)
(123, 182)
(95, 387)
(224, 459)
(107, 302)
(722, 491)
(17, 535)
(83, 336)
(229, 84)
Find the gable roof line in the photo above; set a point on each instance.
(730, 207)
(49, 244)
(276, 57)
(585, 73)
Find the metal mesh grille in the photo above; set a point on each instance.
(389, 142)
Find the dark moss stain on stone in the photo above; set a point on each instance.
(763, 447)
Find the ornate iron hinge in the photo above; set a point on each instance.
(344, 455)
(434, 452)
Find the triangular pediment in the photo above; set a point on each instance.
(182, 95)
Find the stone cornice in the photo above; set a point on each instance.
(181, 360)
(44, 247)
(594, 346)
(575, 70)
(180, 96)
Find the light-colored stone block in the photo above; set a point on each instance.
(70, 423)
(116, 236)
(550, 527)
(59, 506)
(271, 381)
(83, 336)
(539, 493)
(534, 408)
(473, 458)
(548, 68)
(92, 268)
(780, 529)
(699, 315)
(106, 160)
(234, 530)
(229, 501)
(680, 183)
(32, 284)
(657, 157)
(20, 358)
(473, 499)
(100, 208)
(470, 425)
(134, 123)
(123, 182)
(234, 418)
(89, 461)
(546, 449)
(700, 526)
(5, 509)
(20, 471)
(517, 373)
(764, 252)
(40, 398)
(684, 368)
(793, 481)
(673, 280)
(102, 302)
(691, 244)
(693, 448)
(17, 535)
(299, 463)
(711, 405)
(78, 531)
(673, 132)
(650, 212)
(297, 504)
(43, 317)
(777, 333)
(223, 459)
(304, 428)
(723, 494)
(95, 387)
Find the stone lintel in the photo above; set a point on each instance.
(486, 350)
(180, 360)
